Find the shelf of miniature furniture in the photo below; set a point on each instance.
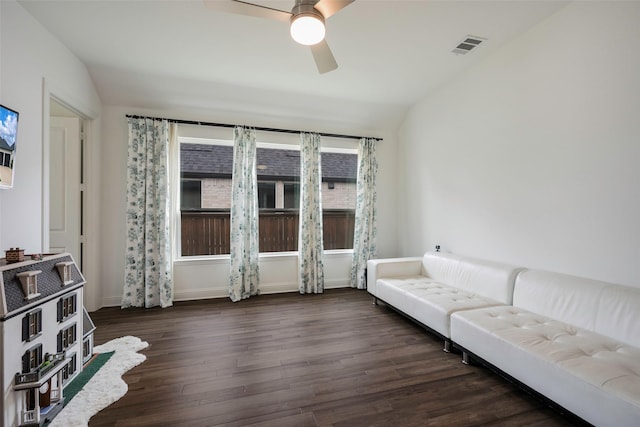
(40, 376)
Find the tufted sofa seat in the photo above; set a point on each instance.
(576, 341)
(431, 288)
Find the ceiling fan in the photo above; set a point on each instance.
(306, 20)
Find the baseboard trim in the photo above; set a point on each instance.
(209, 293)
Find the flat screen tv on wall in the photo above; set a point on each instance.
(8, 139)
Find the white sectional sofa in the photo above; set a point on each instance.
(431, 288)
(573, 340)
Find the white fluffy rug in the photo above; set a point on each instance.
(106, 386)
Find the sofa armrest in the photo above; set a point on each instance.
(391, 267)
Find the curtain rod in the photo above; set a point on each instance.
(225, 125)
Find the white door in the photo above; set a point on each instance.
(65, 186)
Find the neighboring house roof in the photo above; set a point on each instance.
(215, 161)
(49, 283)
(4, 145)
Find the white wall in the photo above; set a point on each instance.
(35, 65)
(531, 157)
(207, 278)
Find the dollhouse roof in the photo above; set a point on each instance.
(49, 283)
(87, 324)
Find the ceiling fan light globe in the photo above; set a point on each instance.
(307, 29)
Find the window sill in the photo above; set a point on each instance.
(220, 259)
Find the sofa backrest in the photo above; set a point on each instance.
(569, 299)
(490, 279)
(440, 266)
(618, 314)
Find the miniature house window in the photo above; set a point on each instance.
(31, 402)
(29, 281)
(64, 270)
(66, 337)
(31, 325)
(32, 358)
(67, 307)
(87, 336)
(69, 369)
(86, 349)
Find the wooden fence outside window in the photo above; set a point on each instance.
(207, 232)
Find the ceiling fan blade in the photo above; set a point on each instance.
(246, 8)
(330, 7)
(323, 57)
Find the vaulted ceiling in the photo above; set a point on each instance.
(180, 53)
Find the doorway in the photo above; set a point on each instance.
(66, 182)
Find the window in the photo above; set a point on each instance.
(266, 195)
(205, 227)
(64, 269)
(86, 348)
(35, 323)
(32, 358)
(69, 369)
(31, 325)
(30, 397)
(66, 337)
(67, 307)
(5, 159)
(29, 281)
(291, 195)
(191, 196)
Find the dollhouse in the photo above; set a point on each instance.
(46, 336)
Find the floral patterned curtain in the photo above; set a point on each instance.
(148, 263)
(310, 241)
(364, 239)
(245, 274)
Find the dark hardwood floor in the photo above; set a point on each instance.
(293, 360)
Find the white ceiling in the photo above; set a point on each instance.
(180, 53)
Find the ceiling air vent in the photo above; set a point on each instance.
(467, 45)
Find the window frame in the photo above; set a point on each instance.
(182, 182)
(67, 337)
(66, 303)
(70, 368)
(32, 358)
(197, 135)
(296, 192)
(29, 321)
(271, 184)
(86, 348)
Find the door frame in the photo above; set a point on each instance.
(88, 118)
